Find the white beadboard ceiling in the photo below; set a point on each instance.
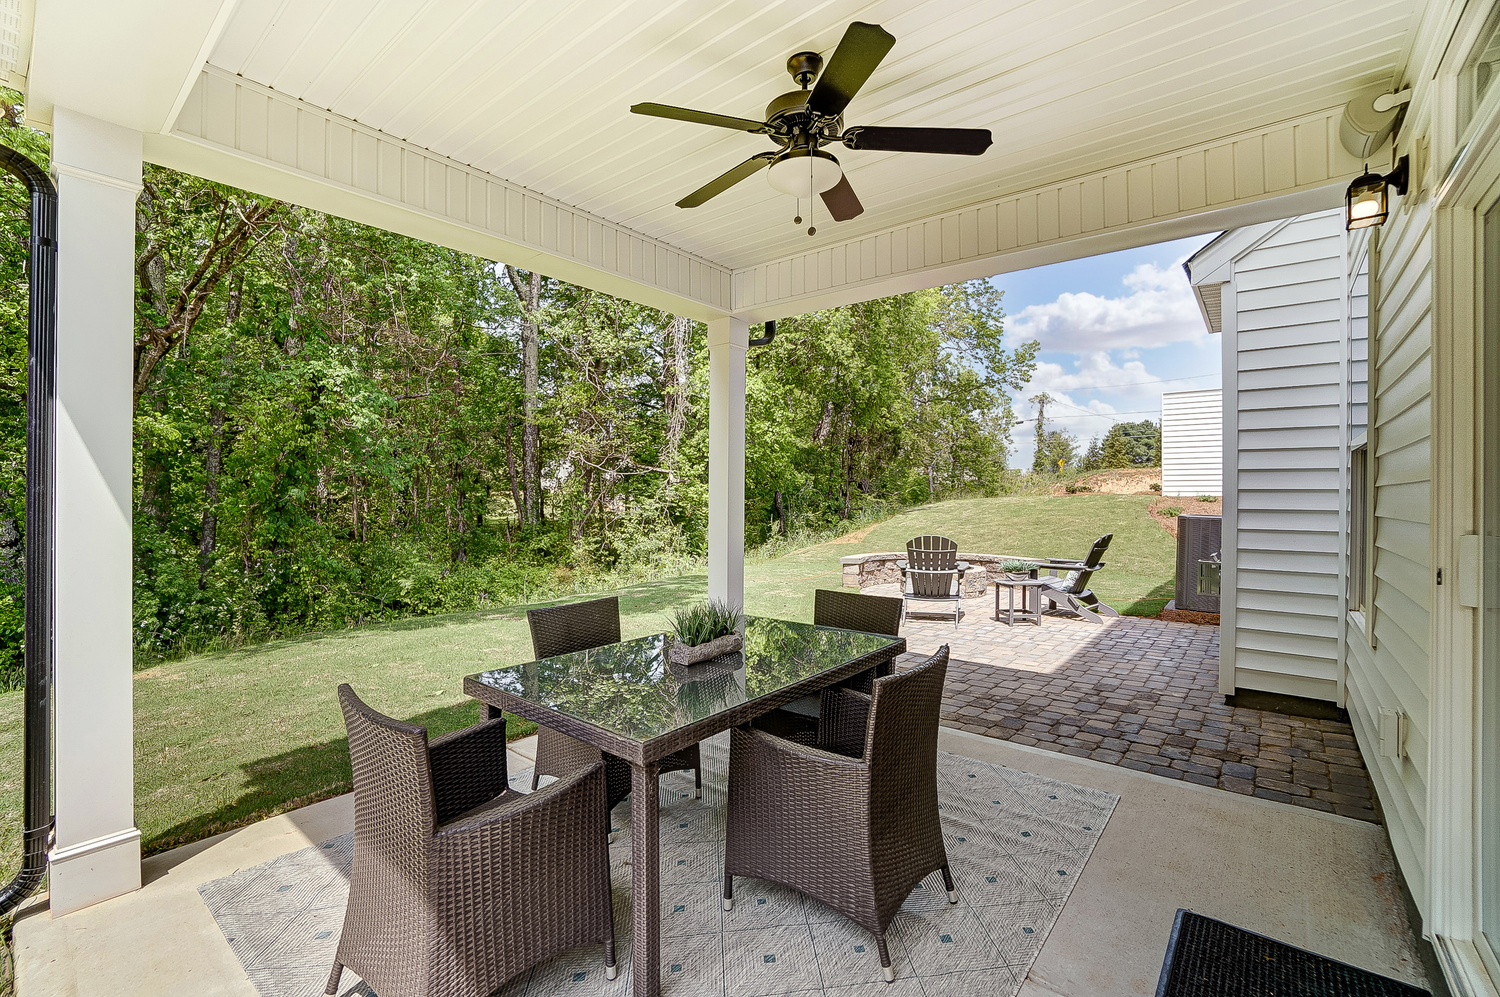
(538, 91)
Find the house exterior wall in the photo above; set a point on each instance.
(1285, 369)
(1389, 648)
(1192, 442)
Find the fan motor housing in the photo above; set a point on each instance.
(788, 115)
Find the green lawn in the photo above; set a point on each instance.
(224, 739)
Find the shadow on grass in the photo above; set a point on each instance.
(1152, 603)
(304, 775)
(643, 597)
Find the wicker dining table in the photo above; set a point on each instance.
(628, 700)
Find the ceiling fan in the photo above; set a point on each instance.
(802, 121)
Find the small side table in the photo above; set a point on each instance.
(1026, 586)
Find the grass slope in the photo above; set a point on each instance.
(225, 739)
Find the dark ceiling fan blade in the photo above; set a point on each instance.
(722, 183)
(700, 117)
(859, 52)
(841, 202)
(953, 141)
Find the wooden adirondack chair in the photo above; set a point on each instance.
(1066, 586)
(932, 572)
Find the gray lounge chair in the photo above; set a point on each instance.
(932, 572)
(1068, 581)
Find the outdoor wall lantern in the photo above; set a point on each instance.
(1367, 202)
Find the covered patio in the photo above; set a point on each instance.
(503, 130)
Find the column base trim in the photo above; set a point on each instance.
(1463, 968)
(92, 871)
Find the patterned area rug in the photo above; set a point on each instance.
(1016, 844)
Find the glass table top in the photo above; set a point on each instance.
(632, 689)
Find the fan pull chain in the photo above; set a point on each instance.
(798, 219)
(811, 193)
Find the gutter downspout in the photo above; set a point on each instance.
(766, 339)
(41, 446)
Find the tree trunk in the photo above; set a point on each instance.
(529, 292)
(780, 512)
(674, 394)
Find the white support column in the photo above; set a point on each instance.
(97, 854)
(728, 339)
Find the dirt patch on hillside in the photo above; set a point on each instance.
(1166, 510)
(856, 536)
(1121, 481)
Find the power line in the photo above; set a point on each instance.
(1100, 415)
(1154, 380)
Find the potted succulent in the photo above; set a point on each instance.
(705, 631)
(1017, 570)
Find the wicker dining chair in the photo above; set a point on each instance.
(458, 885)
(854, 821)
(583, 626)
(872, 614)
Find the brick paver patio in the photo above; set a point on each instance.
(1142, 694)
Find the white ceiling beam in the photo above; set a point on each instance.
(238, 132)
(1285, 169)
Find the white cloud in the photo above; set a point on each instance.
(1158, 310)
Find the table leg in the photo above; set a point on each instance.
(1010, 605)
(645, 852)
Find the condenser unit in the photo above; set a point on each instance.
(1198, 563)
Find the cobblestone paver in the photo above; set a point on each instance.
(1142, 694)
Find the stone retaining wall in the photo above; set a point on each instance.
(863, 571)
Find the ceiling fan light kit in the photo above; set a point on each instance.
(804, 172)
(801, 121)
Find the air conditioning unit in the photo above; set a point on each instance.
(1198, 543)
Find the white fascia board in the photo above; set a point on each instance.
(1213, 264)
(1289, 168)
(237, 132)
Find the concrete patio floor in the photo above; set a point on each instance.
(1139, 693)
(1314, 880)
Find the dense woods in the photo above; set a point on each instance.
(334, 424)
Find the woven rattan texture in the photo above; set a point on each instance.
(581, 626)
(871, 614)
(856, 833)
(1208, 958)
(455, 896)
(1016, 842)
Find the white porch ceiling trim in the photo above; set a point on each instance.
(285, 147)
(240, 132)
(1199, 189)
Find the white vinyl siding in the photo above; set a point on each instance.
(1192, 443)
(1289, 364)
(1359, 331)
(1388, 664)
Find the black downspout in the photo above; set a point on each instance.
(41, 439)
(766, 339)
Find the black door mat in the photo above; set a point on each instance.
(1208, 958)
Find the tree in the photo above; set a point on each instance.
(1057, 450)
(1039, 461)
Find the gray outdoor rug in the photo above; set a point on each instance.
(1016, 844)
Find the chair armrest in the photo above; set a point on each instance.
(779, 753)
(574, 792)
(1060, 563)
(468, 768)
(845, 714)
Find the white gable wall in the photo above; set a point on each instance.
(1284, 376)
(1192, 438)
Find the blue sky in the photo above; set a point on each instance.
(1116, 332)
